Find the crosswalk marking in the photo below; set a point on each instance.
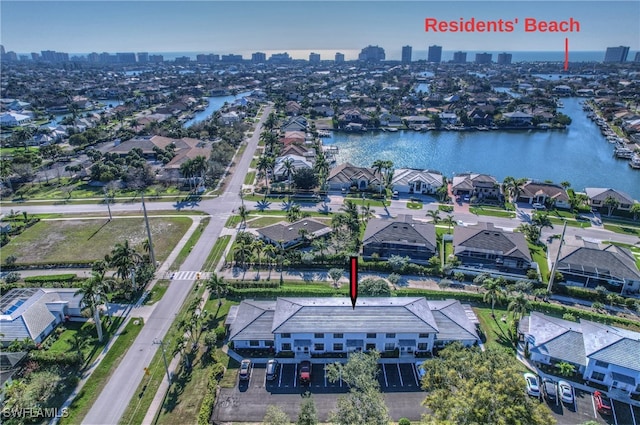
(190, 275)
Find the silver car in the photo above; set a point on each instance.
(566, 392)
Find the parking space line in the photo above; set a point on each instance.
(250, 376)
(414, 369)
(613, 410)
(325, 376)
(384, 372)
(340, 375)
(400, 375)
(593, 403)
(280, 377)
(633, 415)
(295, 375)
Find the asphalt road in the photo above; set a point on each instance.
(122, 385)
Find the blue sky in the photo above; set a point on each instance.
(301, 26)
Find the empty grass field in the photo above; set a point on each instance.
(86, 240)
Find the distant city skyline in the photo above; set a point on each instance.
(300, 27)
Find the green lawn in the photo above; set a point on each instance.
(55, 190)
(94, 385)
(623, 229)
(263, 221)
(216, 253)
(570, 222)
(12, 151)
(539, 255)
(495, 329)
(491, 212)
(193, 240)
(83, 241)
(414, 205)
(157, 292)
(370, 202)
(250, 177)
(232, 222)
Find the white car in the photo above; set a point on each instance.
(533, 385)
(420, 370)
(537, 206)
(566, 392)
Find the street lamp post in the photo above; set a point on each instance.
(160, 342)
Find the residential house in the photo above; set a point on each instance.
(541, 193)
(486, 246)
(290, 234)
(309, 327)
(473, 184)
(518, 118)
(399, 236)
(297, 162)
(448, 118)
(292, 108)
(589, 263)
(598, 196)
(600, 353)
(295, 124)
(410, 180)
(346, 175)
(33, 313)
(293, 137)
(14, 119)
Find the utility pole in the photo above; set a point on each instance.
(106, 199)
(160, 342)
(555, 263)
(146, 221)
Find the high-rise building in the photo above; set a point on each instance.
(504, 58)
(459, 57)
(372, 54)
(280, 58)
(637, 58)
(143, 57)
(126, 57)
(258, 57)
(208, 59)
(406, 54)
(156, 58)
(314, 57)
(35, 56)
(483, 58)
(2, 52)
(435, 54)
(231, 58)
(616, 54)
(339, 57)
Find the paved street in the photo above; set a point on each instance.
(114, 398)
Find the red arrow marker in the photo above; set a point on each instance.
(566, 54)
(353, 281)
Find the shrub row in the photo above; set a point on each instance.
(254, 284)
(67, 277)
(302, 291)
(560, 310)
(73, 359)
(206, 408)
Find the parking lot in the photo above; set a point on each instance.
(249, 399)
(584, 409)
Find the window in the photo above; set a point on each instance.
(370, 347)
(318, 347)
(338, 347)
(287, 335)
(371, 335)
(268, 343)
(390, 335)
(286, 346)
(597, 376)
(602, 364)
(389, 346)
(338, 336)
(318, 336)
(423, 335)
(422, 346)
(254, 343)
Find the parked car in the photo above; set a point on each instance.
(603, 404)
(537, 206)
(549, 389)
(420, 370)
(533, 385)
(305, 371)
(566, 392)
(466, 198)
(395, 195)
(272, 369)
(245, 369)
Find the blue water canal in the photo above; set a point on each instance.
(579, 154)
(215, 103)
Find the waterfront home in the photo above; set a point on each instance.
(295, 124)
(287, 234)
(33, 313)
(537, 192)
(485, 246)
(308, 154)
(401, 236)
(448, 118)
(600, 353)
(280, 170)
(409, 181)
(292, 108)
(308, 327)
(518, 118)
(598, 196)
(346, 175)
(589, 263)
(474, 184)
(293, 137)
(14, 119)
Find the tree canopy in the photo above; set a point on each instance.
(373, 287)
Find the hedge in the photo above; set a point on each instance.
(56, 358)
(206, 408)
(314, 291)
(67, 277)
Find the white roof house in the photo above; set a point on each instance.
(410, 180)
(298, 163)
(13, 119)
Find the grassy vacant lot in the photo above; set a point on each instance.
(87, 240)
(94, 385)
(263, 221)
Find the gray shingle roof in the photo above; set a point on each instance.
(288, 232)
(299, 315)
(484, 237)
(601, 193)
(451, 319)
(404, 176)
(402, 231)
(582, 256)
(553, 191)
(611, 344)
(253, 320)
(568, 346)
(346, 172)
(625, 353)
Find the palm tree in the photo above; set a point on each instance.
(269, 140)
(257, 247)
(294, 213)
(241, 253)
(289, 168)
(199, 164)
(125, 259)
(565, 369)
(635, 210)
(378, 165)
(321, 245)
(367, 213)
(243, 213)
(611, 203)
(271, 121)
(270, 254)
(94, 293)
(265, 163)
(187, 171)
(493, 293)
(450, 221)
(21, 135)
(434, 215)
(541, 221)
(218, 285)
(519, 306)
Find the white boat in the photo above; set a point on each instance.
(624, 153)
(635, 162)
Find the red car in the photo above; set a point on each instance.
(305, 371)
(603, 404)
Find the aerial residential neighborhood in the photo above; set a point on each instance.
(377, 235)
